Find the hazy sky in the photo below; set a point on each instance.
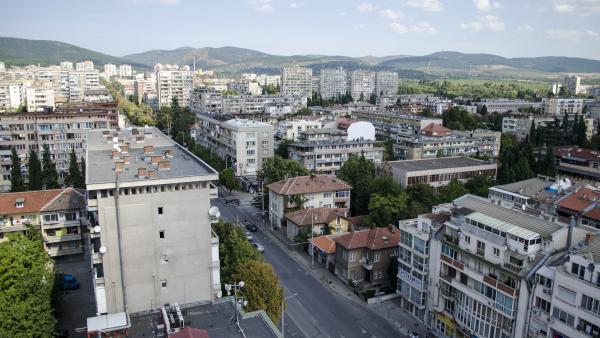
(343, 27)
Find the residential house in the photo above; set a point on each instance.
(321, 220)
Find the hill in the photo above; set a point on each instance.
(22, 52)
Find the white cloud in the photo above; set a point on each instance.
(419, 28)
(295, 5)
(426, 5)
(524, 28)
(486, 22)
(572, 35)
(390, 14)
(366, 7)
(263, 6)
(486, 5)
(580, 7)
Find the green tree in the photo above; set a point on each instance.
(35, 172)
(228, 180)
(479, 185)
(581, 135)
(451, 191)
(276, 169)
(549, 163)
(385, 210)
(388, 151)
(49, 174)
(385, 186)
(234, 249)
(283, 149)
(373, 99)
(26, 284)
(522, 169)
(358, 172)
(73, 178)
(16, 177)
(261, 288)
(82, 179)
(422, 197)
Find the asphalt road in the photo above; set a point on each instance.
(315, 311)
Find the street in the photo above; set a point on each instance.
(315, 311)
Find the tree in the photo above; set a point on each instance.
(82, 181)
(373, 99)
(234, 249)
(549, 163)
(276, 169)
(16, 177)
(358, 172)
(73, 178)
(581, 132)
(35, 171)
(261, 288)
(388, 151)
(49, 174)
(479, 185)
(522, 169)
(422, 197)
(228, 180)
(385, 186)
(385, 210)
(451, 191)
(283, 149)
(26, 284)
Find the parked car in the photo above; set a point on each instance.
(249, 236)
(69, 282)
(61, 333)
(251, 227)
(414, 335)
(235, 201)
(259, 247)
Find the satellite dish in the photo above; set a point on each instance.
(115, 146)
(97, 229)
(214, 212)
(115, 139)
(523, 207)
(102, 250)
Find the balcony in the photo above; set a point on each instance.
(54, 252)
(60, 224)
(65, 238)
(480, 252)
(364, 262)
(96, 258)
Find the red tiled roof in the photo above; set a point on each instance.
(434, 128)
(34, 201)
(326, 243)
(374, 239)
(593, 214)
(321, 215)
(308, 184)
(587, 154)
(580, 199)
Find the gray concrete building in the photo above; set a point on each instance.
(151, 240)
(362, 84)
(333, 82)
(386, 83)
(296, 81)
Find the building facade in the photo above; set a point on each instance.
(296, 81)
(386, 83)
(176, 83)
(362, 84)
(333, 82)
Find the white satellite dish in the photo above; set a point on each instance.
(115, 146)
(115, 139)
(214, 212)
(97, 229)
(102, 249)
(523, 207)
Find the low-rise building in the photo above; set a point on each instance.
(520, 125)
(291, 129)
(439, 172)
(503, 106)
(561, 106)
(58, 213)
(320, 220)
(315, 191)
(578, 163)
(389, 125)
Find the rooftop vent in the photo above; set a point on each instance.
(164, 165)
(119, 166)
(155, 159)
(135, 131)
(148, 149)
(115, 154)
(169, 152)
(142, 172)
(151, 173)
(127, 159)
(139, 139)
(125, 148)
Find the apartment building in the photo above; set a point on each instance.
(66, 65)
(520, 125)
(62, 131)
(12, 95)
(333, 82)
(149, 201)
(268, 80)
(561, 106)
(573, 83)
(172, 83)
(363, 257)
(79, 82)
(386, 83)
(389, 125)
(439, 172)
(125, 71)
(314, 191)
(362, 84)
(503, 106)
(296, 81)
(242, 144)
(567, 294)
(578, 163)
(143, 87)
(39, 99)
(110, 70)
(413, 262)
(207, 100)
(291, 129)
(60, 214)
(84, 65)
(326, 150)
(482, 266)
(245, 87)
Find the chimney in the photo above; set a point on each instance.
(155, 159)
(139, 139)
(169, 152)
(125, 148)
(119, 166)
(151, 173)
(164, 165)
(127, 158)
(589, 238)
(142, 172)
(115, 154)
(148, 149)
(135, 131)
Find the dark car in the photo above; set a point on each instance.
(235, 201)
(251, 227)
(69, 282)
(61, 333)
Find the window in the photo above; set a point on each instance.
(161, 234)
(563, 316)
(421, 246)
(70, 216)
(468, 239)
(496, 252)
(542, 304)
(345, 253)
(378, 274)
(160, 210)
(590, 304)
(51, 218)
(578, 270)
(163, 283)
(448, 251)
(250, 152)
(376, 257)
(327, 195)
(545, 281)
(406, 239)
(352, 257)
(480, 248)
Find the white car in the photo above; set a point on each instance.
(259, 247)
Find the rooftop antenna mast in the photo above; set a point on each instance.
(194, 64)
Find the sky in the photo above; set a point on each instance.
(509, 28)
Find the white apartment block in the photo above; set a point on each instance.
(151, 241)
(110, 70)
(66, 65)
(39, 99)
(12, 95)
(296, 81)
(567, 294)
(572, 83)
(333, 82)
(386, 83)
(506, 105)
(245, 88)
(560, 106)
(362, 83)
(84, 65)
(269, 80)
(80, 81)
(291, 129)
(174, 84)
(125, 71)
(242, 144)
(520, 125)
(207, 100)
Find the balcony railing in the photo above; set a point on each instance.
(364, 262)
(65, 238)
(53, 252)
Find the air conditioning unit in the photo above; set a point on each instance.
(547, 291)
(536, 312)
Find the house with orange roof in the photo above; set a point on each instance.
(336, 219)
(58, 213)
(323, 248)
(583, 204)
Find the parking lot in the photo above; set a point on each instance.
(74, 306)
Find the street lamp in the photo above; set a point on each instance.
(236, 287)
(283, 313)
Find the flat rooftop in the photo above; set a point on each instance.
(101, 165)
(437, 163)
(529, 187)
(218, 319)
